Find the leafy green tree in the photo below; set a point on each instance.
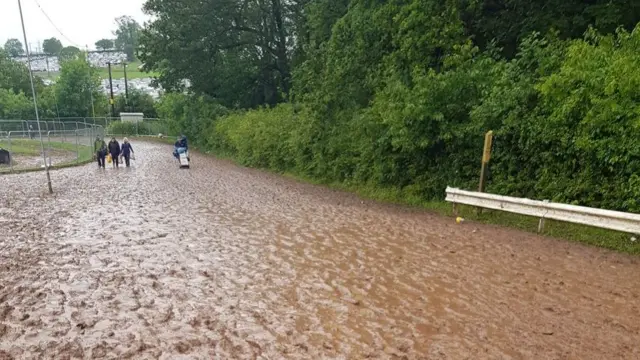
(77, 84)
(69, 53)
(15, 106)
(577, 141)
(506, 22)
(138, 101)
(240, 55)
(52, 46)
(127, 36)
(398, 94)
(190, 115)
(104, 44)
(14, 76)
(14, 47)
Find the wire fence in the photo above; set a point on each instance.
(148, 126)
(65, 143)
(66, 140)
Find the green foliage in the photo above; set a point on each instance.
(190, 115)
(265, 138)
(139, 101)
(127, 36)
(69, 53)
(15, 106)
(52, 46)
(127, 129)
(239, 54)
(78, 85)
(397, 95)
(14, 47)
(506, 22)
(578, 144)
(104, 44)
(14, 76)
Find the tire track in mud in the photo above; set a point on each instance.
(221, 262)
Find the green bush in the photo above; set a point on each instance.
(578, 144)
(267, 138)
(190, 115)
(128, 129)
(565, 115)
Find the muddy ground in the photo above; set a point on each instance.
(55, 157)
(221, 262)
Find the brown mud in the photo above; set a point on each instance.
(221, 262)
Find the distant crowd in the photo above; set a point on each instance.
(143, 85)
(43, 63)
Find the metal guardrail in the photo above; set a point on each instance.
(606, 219)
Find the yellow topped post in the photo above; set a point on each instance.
(486, 156)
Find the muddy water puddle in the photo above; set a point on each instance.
(220, 262)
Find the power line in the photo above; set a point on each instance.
(35, 101)
(54, 25)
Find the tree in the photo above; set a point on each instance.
(139, 101)
(78, 83)
(14, 76)
(506, 22)
(15, 106)
(104, 44)
(14, 47)
(127, 35)
(52, 46)
(238, 53)
(69, 53)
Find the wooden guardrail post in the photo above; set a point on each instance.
(486, 156)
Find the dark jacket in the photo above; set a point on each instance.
(114, 148)
(126, 149)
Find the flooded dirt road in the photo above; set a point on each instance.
(221, 262)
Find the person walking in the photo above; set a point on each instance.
(100, 149)
(127, 151)
(114, 150)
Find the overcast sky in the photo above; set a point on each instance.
(83, 22)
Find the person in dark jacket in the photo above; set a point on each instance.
(100, 149)
(127, 151)
(180, 146)
(114, 150)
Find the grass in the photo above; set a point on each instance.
(117, 72)
(30, 147)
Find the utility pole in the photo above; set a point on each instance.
(126, 87)
(35, 102)
(113, 109)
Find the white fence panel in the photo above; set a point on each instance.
(606, 219)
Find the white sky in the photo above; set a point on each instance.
(82, 21)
